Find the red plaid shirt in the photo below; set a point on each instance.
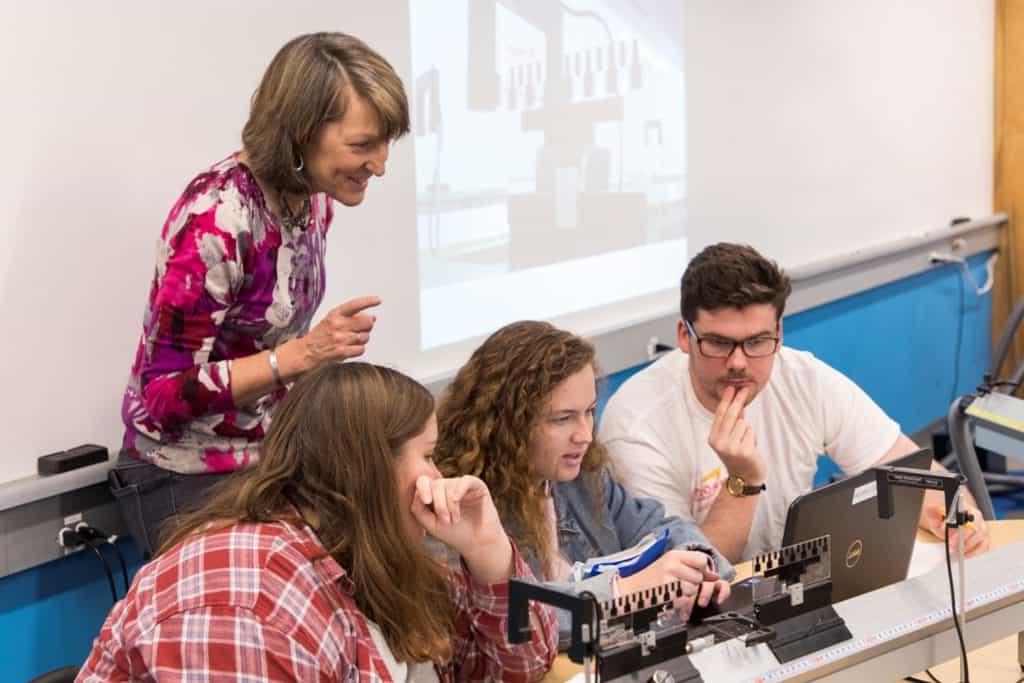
(249, 603)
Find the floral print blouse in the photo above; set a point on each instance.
(230, 281)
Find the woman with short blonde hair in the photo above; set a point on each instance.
(240, 273)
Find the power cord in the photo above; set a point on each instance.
(990, 269)
(947, 258)
(958, 349)
(988, 385)
(961, 314)
(69, 538)
(956, 621)
(91, 533)
(93, 546)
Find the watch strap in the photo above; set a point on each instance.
(733, 486)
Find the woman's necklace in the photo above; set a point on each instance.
(291, 221)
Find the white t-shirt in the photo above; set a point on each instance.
(420, 672)
(657, 433)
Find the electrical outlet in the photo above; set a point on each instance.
(937, 258)
(652, 348)
(30, 533)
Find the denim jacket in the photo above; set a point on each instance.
(625, 520)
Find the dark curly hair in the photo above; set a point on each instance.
(487, 415)
(727, 275)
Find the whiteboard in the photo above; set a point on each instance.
(810, 127)
(817, 127)
(109, 109)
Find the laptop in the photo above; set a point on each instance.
(867, 552)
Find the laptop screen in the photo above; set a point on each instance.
(867, 552)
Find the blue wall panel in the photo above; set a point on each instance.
(913, 345)
(49, 615)
(900, 342)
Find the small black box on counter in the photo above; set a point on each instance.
(72, 459)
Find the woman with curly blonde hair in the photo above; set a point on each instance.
(520, 416)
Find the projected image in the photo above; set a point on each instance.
(550, 158)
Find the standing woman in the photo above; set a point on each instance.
(311, 565)
(240, 273)
(520, 416)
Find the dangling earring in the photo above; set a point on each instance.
(288, 219)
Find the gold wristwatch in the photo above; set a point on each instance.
(738, 487)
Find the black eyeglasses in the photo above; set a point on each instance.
(717, 347)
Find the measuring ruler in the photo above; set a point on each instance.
(851, 647)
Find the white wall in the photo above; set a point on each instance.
(816, 127)
(813, 127)
(109, 108)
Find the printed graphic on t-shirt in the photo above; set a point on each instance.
(705, 494)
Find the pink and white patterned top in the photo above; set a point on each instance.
(230, 281)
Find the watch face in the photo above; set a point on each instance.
(735, 486)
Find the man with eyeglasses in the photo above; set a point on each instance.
(727, 430)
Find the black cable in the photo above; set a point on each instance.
(989, 386)
(952, 596)
(106, 567)
(959, 336)
(124, 567)
(928, 673)
(90, 532)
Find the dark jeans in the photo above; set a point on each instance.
(149, 497)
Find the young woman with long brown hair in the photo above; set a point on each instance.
(311, 565)
(520, 415)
